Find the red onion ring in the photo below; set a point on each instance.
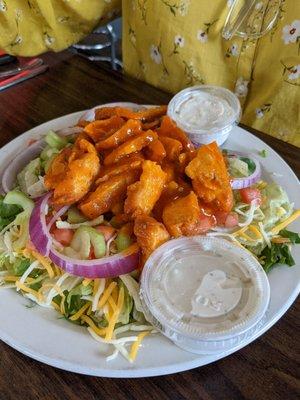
(38, 231)
(106, 267)
(241, 183)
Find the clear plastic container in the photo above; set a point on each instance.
(205, 113)
(204, 293)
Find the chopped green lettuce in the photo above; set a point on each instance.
(237, 167)
(8, 212)
(278, 253)
(20, 266)
(293, 236)
(276, 205)
(55, 141)
(124, 315)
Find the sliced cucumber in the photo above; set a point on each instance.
(123, 241)
(48, 152)
(75, 216)
(98, 241)
(83, 239)
(55, 141)
(81, 243)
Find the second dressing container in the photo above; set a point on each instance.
(204, 293)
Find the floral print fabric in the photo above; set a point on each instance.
(173, 44)
(179, 43)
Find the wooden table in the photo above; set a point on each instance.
(266, 369)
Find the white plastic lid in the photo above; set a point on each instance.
(205, 113)
(204, 293)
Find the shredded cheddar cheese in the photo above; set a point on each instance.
(112, 304)
(26, 289)
(86, 281)
(42, 260)
(254, 229)
(113, 320)
(90, 322)
(106, 294)
(80, 312)
(135, 346)
(286, 222)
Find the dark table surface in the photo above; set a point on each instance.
(265, 369)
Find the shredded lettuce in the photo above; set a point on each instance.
(55, 141)
(29, 175)
(276, 205)
(237, 167)
(124, 316)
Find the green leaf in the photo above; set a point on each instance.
(250, 163)
(8, 210)
(79, 291)
(293, 236)
(278, 253)
(20, 266)
(263, 153)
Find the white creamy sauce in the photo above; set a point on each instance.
(203, 111)
(216, 295)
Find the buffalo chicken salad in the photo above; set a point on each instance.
(88, 205)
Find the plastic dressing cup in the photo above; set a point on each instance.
(205, 113)
(204, 293)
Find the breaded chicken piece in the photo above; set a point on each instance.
(145, 115)
(142, 195)
(210, 177)
(133, 161)
(183, 217)
(107, 194)
(129, 129)
(155, 151)
(168, 128)
(72, 173)
(150, 234)
(99, 130)
(132, 145)
(173, 148)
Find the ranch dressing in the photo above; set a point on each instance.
(202, 289)
(202, 110)
(205, 113)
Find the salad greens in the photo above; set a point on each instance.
(75, 297)
(263, 153)
(8, 212)
(276, 205)
(280, 253)
(292, 236)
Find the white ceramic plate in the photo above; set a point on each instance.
(40, 334)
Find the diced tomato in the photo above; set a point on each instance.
(107, 231)
(232, 220)
(63, 236)
(250, 194)
(206, 222)
(220, 217)
(229, 220)
(92, 254)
